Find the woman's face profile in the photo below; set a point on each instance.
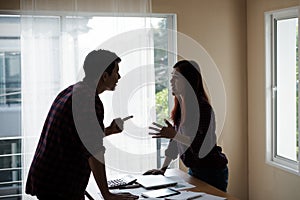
(177, 82)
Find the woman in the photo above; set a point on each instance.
(193, 134)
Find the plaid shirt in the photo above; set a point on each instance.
(60, 165)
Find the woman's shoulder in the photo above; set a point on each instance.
(204, 104)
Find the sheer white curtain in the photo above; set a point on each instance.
(48, 63)
(56, 37)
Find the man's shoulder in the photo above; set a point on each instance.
(79, 87)
(65, 93)
(82, 88)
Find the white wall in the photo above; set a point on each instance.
(265, 181)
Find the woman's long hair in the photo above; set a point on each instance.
(191, 72)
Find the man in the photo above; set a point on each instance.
(71, 142)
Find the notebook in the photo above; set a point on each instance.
(155, 181)
(163, 192)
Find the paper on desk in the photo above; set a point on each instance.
(134, 191)
(189, 195)
(185, 195)
(181, 184)
(210, 197)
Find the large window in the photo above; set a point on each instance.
(282, 88)
(90, 30)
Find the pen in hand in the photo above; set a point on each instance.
(127, 118)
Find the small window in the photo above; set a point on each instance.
(10, 168)
(10, 78)
(282, 88)
(10, 61)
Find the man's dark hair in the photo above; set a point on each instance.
(97, 62)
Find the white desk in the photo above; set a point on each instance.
(200, 185)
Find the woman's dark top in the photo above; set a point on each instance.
(203, 151)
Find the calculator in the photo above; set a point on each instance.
(118, 182)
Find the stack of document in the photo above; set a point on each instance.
(189, 195)
(186, 195)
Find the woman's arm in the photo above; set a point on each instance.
(183, 139)
(166, 164)
(163, 168)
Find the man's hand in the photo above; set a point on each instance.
(116, 126)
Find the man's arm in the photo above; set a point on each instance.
(98, 168)
(97, 165)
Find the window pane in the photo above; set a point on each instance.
(13, 77)
(287, 90)
(2, 79)
(10, 166)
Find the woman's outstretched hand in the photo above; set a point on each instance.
(163, 131)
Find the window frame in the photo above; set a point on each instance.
(271, 87)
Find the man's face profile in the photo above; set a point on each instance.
(112, 79)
